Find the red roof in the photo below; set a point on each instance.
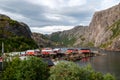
(1, 59)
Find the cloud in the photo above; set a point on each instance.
(55, 4)
(108, 3)
(13, 15)
(48, 3)
(41, 13)
(50, 29)
(72, 3)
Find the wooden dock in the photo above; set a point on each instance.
(72, 56)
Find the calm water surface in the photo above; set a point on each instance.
(110, 63)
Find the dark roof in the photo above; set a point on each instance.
(84, 49)
(48, 61)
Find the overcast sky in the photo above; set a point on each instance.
(46, 16)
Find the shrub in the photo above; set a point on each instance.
(35, 69)
(71, 71)
(31, 69)
(109, 77)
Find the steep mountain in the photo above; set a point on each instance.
(103, 31)
(15, 35)
(9, 27)
(43, 40)
(70, 38)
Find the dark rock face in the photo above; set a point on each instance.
(20, 29)
(15, 35)
(9, 27)
(42, 40)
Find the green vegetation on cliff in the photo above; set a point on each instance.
(55, 37)
(115, 28)
(64, 40)
(12, 22)
(17, 44)
(106, 45)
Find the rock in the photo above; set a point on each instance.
(100, 23)
(9, 28)
(42, 40)
(73, 37)
(15, 35)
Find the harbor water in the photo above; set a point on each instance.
(109, 63)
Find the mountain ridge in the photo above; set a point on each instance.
(103, 26)
(103, 32)
(15, 28)
(15, 35)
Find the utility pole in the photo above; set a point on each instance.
(2, 48)
(2, 55)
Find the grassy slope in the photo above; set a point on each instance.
(64, 40)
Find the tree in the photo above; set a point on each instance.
(32, 68)
(109, 77)
(11, 69)
(72, 71)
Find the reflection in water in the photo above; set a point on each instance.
(109, 63)
(86, 59)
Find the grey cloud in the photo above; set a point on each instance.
(37, 13)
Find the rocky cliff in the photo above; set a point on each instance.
(9, 27)
(15, 35)
(103, 31)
